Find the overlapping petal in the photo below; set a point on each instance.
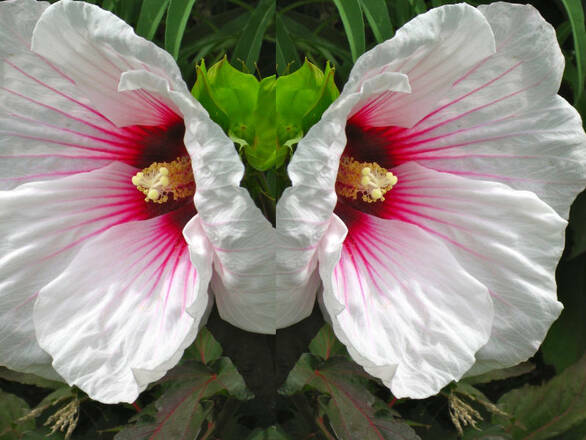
(401, 303)
(480, 108)
(120, 288)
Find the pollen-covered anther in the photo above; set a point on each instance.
(368, 179)
(162, 179)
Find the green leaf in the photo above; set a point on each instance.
(11, 409)
(325, 344)
(578, 226)
(351, 407)
(177, 16)
(575, 12)
(502, 374)
(377, 15)
(351, 16)
(208, 348)
(286, 51)
(542, 412)
(272, 433)
(151, 14)
(181, 410)
(249, 42)
(566, 340)
(28, 379)
(128, 10)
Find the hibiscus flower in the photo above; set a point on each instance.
(433, 196)
(105, 261)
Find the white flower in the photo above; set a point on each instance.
(433, 194)
(92, 120)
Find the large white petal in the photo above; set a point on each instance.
(17, 20)
(93, 47)
(502, 120)
(43, 225)
(121, 314)
(408, 312)
(242, 239)
(433, 50)
(304, 210)
(509, 240)
(48, 127)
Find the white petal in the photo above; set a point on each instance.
(122, 313)
(17, 20)
(408, 312)
(509, 240)
(43, 225)
(502, 120)
(48, 127)
(94, 47)
(433, 50)
(304, 210)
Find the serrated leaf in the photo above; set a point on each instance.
(11, 409)
(351, 407)
(377, 15)
(351, 16)
(151, 14)
(325, 344)
(177, 15)
(543, 412)
(575, 12)
(250, 40)
(182, 408)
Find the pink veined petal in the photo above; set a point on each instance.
(124, 310)
(304, 210)
(94, 47)
(408, 312)
(433, 50)
(501, 120)
(48, 128)
(17, 20)
(43, 225)
(509, 240)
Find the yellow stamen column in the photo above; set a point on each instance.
(368, 179)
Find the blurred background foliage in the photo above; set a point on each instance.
(301, 384)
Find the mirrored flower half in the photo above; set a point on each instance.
(102, 153)
(431, 198)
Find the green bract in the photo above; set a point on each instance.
(264, 118)
(302, 97)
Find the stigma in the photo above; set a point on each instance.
(162, 179)
(366, 179)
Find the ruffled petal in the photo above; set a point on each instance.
(509, 240)
(433, 50)
(304, 210)
(93, 48)
(501, 120)
(242, 239)
(407, 311)
(124, 310)
(43, 225)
